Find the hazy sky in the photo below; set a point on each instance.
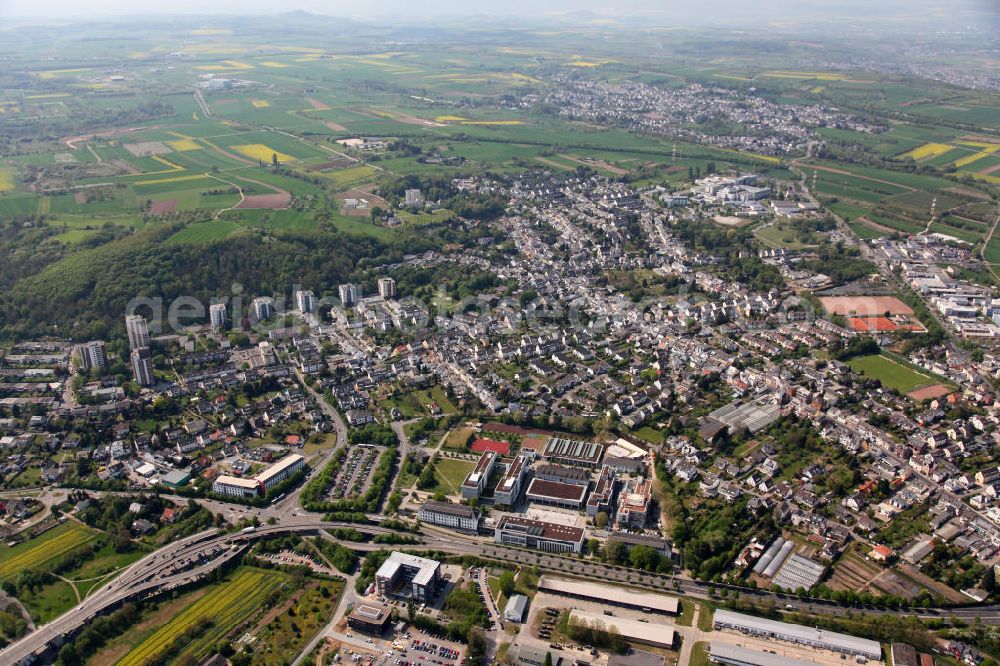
(709, 9)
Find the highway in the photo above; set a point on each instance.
(192, 558)
(189, 559)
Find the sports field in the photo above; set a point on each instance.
(892, 373)
(867, 306)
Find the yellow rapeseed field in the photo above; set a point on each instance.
(7, 180)
(260, 103)
(928, 150)
(985, 149)
(182, 145)
(261, 153)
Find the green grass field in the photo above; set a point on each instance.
(450, 473)
(204, 232)
(892, 373)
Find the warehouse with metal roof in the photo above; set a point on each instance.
(659, 635)
(610, 594)
(796, 633)
(734, 655)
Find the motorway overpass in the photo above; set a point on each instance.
(167, 569)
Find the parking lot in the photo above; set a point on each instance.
(412, 648)
(354, 475)
(543, 617)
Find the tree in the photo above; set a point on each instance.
(507, 583)
(614, 551)
(274, 159)
(601, 520)
(478, 647)
(548, 659)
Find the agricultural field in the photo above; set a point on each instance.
(884, 201)
(227, 606)
(46, 549)
(8, 181)
(75, 552)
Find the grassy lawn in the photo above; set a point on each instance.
(29, 478)
(105, 563)
(457, 438)
(450, 473)
(649, 434)
(892, 373)
(686, 615)
(705, 617)
(780, 235)
(526, 583)
(441, 398)
(699, 654)
(325, 443)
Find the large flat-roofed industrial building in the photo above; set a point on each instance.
(796, 633)
(408, 576)
(659, 635)
(537, 534)
(610, 594)
(735, 655)
(573, 452)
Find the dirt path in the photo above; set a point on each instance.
(843, 172)
(596, 164)
(986, 243)
(878, 227)
(238, 189)
(76, 591)
(554, 165)
(225, 153)
(275, 612)
(202, 103)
